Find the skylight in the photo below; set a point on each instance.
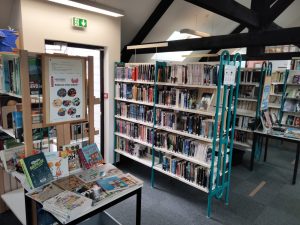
(174, 56)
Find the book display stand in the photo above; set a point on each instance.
(177, 119)
(21, 87)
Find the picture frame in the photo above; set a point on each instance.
(64, 89)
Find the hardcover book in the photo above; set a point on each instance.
(36, 169)
(90, 156)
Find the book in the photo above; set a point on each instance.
(69, 183)
(36, 170)
(58, 165)
(44, 193)
(90, 156)
(98, 172)
(112, 184)
(67, 205)
(71, 152)
(92, 191)
(10, 158)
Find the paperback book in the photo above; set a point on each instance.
(10, 158)
(44, 193)
(71, 151)
(69, 183)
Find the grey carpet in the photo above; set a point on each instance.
(171, 202)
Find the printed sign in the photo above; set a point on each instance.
(266, 93)
(229, 76)
(64, 85)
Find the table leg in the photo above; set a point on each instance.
(296, 164)
(28, 209)
(138, 206)
(253, 151)
(266, 149)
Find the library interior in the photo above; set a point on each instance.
(162, 112)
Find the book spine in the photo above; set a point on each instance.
(26, 173)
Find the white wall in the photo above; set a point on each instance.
(43, 20)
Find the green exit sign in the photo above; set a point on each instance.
(79, 22)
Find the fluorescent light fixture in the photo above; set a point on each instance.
(194, 32)
(152, 45)
(90, 6)
(200, 55)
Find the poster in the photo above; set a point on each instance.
(65, 95)
(266, 93)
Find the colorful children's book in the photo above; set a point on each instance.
(10, 158)
(93, 191)
(90, 156)
(72, 153)
(58, 165)
(36, 170)
(112, 184)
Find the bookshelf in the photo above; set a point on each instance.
(21, 88)
(248, 103)
(171, 113)
(290, 103)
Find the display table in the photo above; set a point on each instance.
(277, 137)
(100, 207)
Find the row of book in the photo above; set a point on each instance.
(247, 105)
(10, 80)
(143, 93)
(131, 147)
(291, 105)
(143, 72)
(292, 120)
(198, 74)
(184, 98)
(186, 146)
(292, 92)
(59, 163)
(187, 170)
(242, 136)
(248, 91)
(293, 77)
(250, 76)
(245, 122)
(134, 130)
(135, 111)
(278, 76)
(186, 122)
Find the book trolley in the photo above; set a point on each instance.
(147, 145)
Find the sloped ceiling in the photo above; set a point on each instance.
(181, 14)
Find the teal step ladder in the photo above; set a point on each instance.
(219, 180)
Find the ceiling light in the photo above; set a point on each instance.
(194, 32)
(90, 6)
